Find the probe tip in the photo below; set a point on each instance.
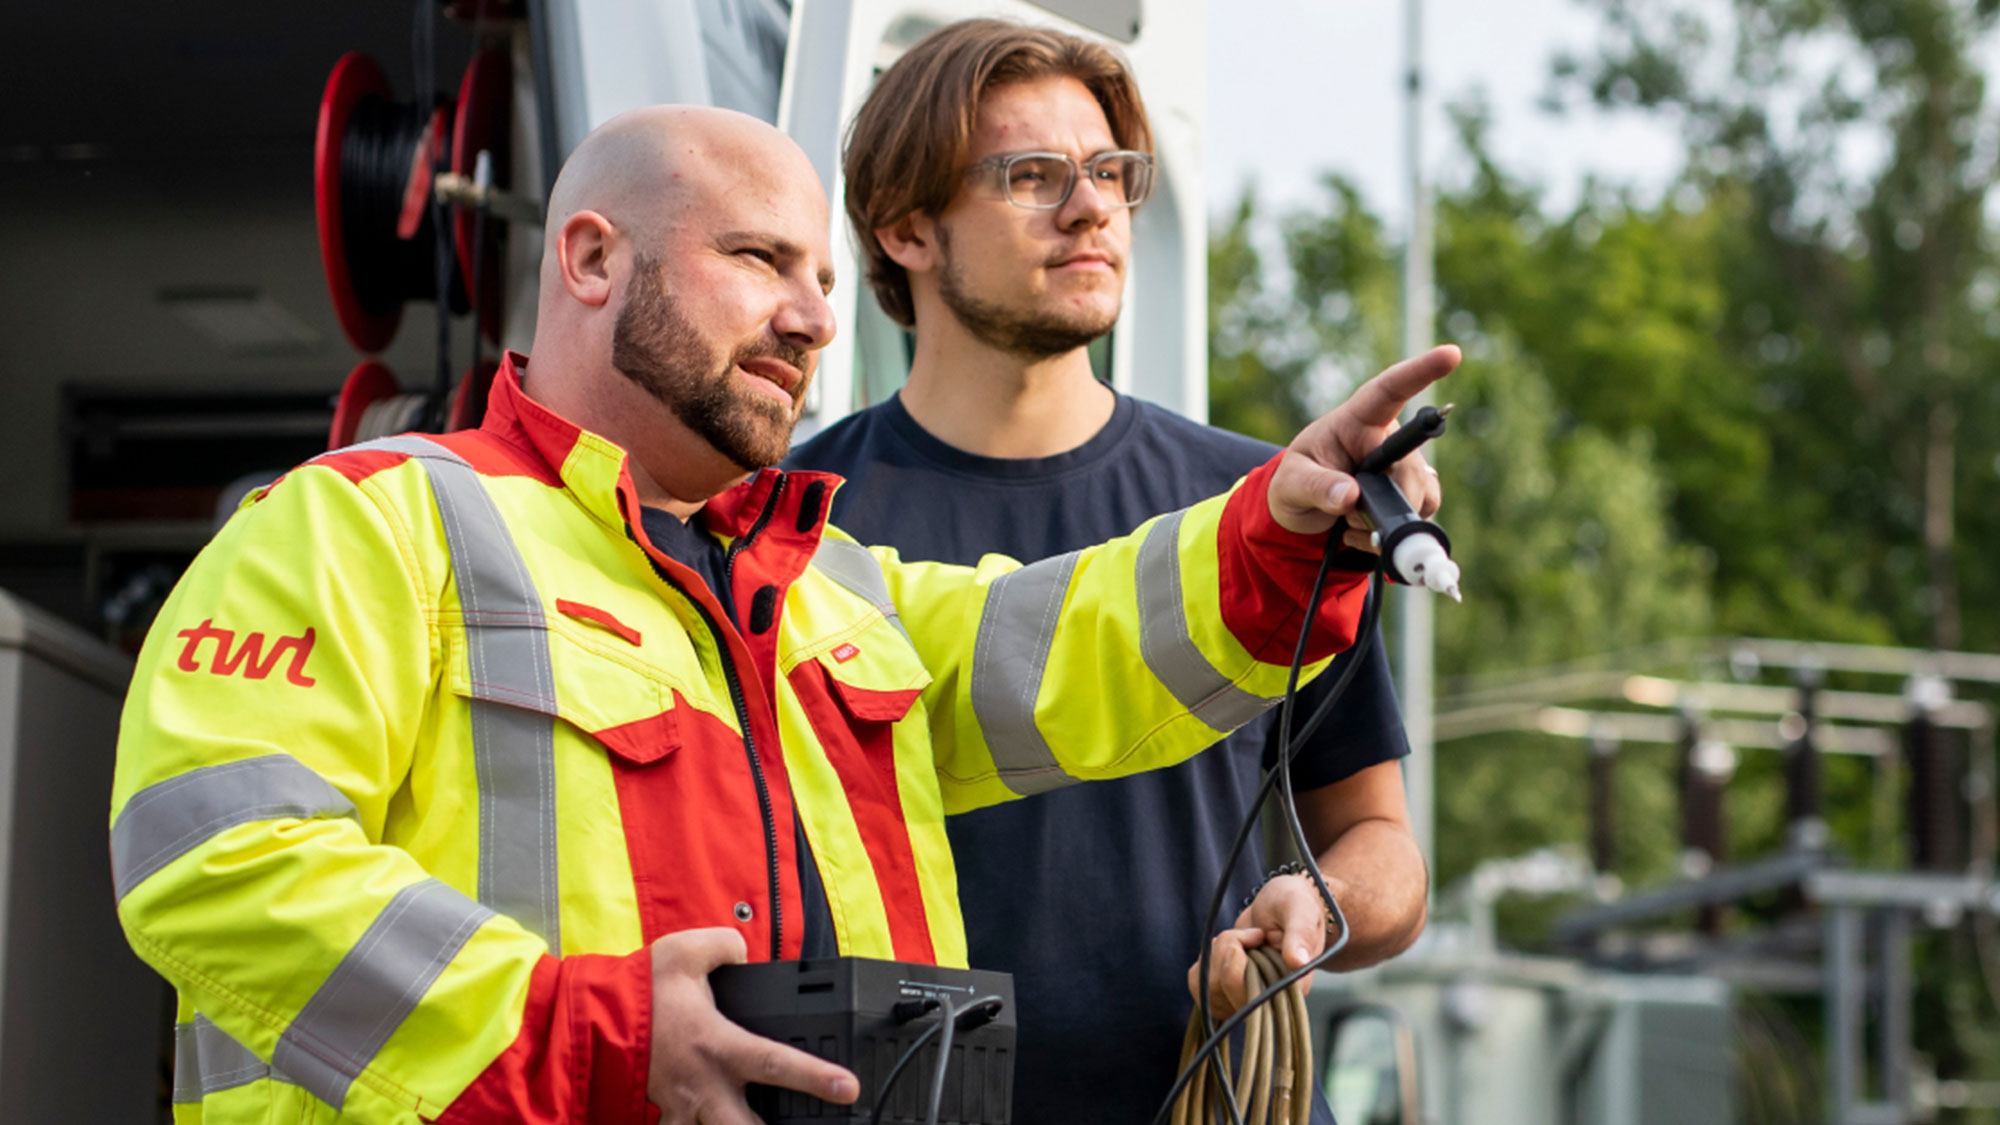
(1445, 410)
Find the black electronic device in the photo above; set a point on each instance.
(865, 1014)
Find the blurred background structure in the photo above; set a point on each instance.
(1713, 825)
(1746, 392)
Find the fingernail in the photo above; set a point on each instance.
(1299, 954)
(1340, 491)
(845, 1089)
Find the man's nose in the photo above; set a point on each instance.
(806, 319)
(1085, 207)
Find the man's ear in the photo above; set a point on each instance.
(583, 257)
(911, 242)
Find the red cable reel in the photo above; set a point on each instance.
(373, 180)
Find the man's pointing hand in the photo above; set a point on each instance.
(1313, 485)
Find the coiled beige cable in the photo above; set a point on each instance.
(1277, 1058)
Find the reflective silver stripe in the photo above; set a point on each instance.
(208, 1060)
(166, 820)
(1009, 658)
(1167, 646)
(513, 693)
(375, 987)
(855, 569)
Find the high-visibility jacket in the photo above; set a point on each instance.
(431, 742)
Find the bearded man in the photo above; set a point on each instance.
(580, 705)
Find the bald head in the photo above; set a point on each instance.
(647, 166)
(683, 290)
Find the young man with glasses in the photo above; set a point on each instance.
(991, 178)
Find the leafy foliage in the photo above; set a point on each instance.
(1764, 403)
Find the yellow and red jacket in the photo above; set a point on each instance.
(431, 742)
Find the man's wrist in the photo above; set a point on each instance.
(1285, 870)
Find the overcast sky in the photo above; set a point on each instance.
(1325, 91)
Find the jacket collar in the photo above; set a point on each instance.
(593, 469)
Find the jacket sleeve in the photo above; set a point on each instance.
(266, 741)
(1128, 656)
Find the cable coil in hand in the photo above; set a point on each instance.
(1277, 1070)
(1206, 1056)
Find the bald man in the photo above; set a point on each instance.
(457, 762)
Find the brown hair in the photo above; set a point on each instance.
(906, 147)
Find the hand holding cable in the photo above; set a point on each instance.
(1286, 918)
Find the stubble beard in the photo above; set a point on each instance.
(1032, 334)
(654, 344)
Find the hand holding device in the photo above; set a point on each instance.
(701, 1061)
(1314, 484)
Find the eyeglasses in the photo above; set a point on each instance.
(1043, 181)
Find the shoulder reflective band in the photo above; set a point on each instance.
(1167, 646)
(207, 1061)
(1016, 629)
(514, 693)
(855, 569)
(375, 987)
(167, 819)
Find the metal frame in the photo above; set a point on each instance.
(1867, 918)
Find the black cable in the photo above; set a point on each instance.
(1350, 662)
(375, 155)
(424, 47)
(895, 1072)
(475, 289)
(978, 1013)
(1282, 766)
(542, 55)
(947, 1019)
(1276, 777)
(475, 282)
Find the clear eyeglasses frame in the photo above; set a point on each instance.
(1044, 181)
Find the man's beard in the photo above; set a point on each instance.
(1034, 334)
(656, 346)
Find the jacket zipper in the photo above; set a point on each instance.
(743, 716)
(737, 698)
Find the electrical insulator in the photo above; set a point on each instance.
(1936, 812)
(1705, 768)
(1603, 804)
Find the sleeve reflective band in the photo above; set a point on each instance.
(855, 569)
(1167, 646)
(208, 1061)
(514, 693)
(375, 987)
(1009, 658)
(167, 819)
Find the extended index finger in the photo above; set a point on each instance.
(767, 1062)
(1381, 399)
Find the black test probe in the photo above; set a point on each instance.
(1415, 551)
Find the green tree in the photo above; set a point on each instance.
(1861, 298)
(1562, 527)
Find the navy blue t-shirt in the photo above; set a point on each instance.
(1092, 896)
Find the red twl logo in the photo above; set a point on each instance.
(249, 656)
(845, 653)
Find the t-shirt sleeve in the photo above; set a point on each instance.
(1366, 727)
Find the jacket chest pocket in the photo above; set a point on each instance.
(627, 708)
(855, 690)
